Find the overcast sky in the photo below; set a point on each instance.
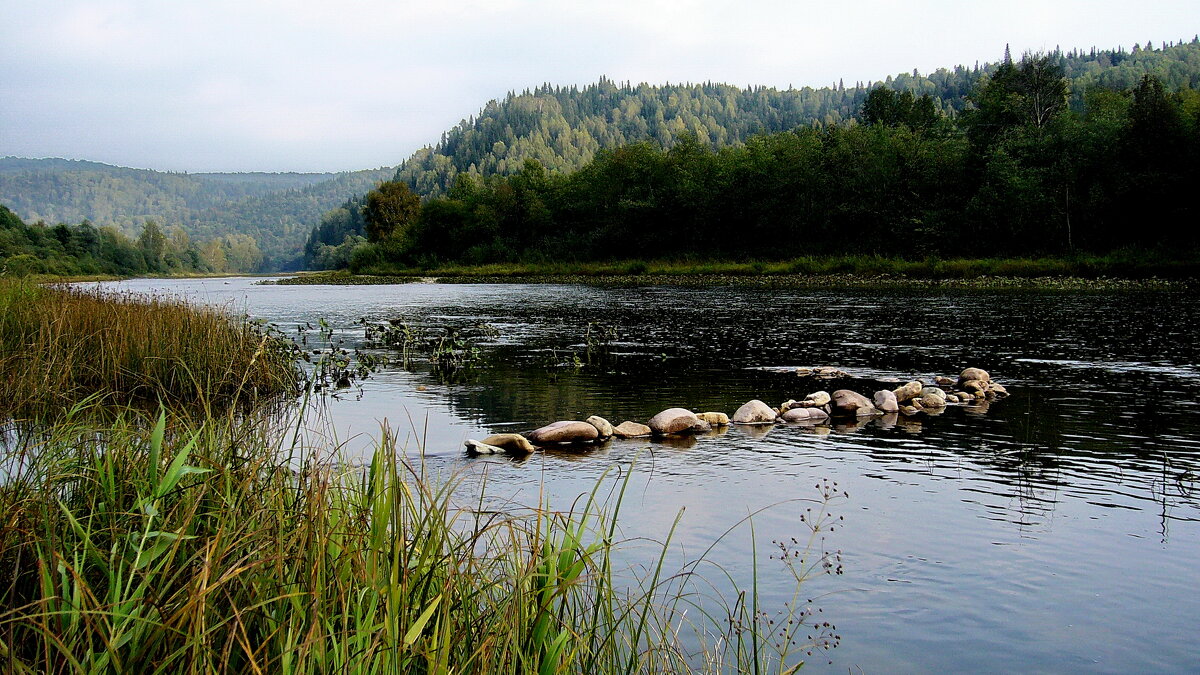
(274, 85)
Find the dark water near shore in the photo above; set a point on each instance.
(1056, 531)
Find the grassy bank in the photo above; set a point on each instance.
(1084, 272)
(60, 345)
(185, 547)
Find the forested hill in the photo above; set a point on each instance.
(564, 127)
(276, 209)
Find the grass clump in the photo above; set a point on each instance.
(60, 345)
(209, 549)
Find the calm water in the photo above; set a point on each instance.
(1057, 531)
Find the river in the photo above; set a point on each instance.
(1057, 530)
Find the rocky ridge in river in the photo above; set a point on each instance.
(972, 387)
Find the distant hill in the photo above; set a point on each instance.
(564, 127)
(276, 209)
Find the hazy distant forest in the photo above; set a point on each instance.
(1082, 151)
(1046, 155)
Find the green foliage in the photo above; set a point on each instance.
(390, 209)
(214, 545)
(275, 210)
(1030, 177)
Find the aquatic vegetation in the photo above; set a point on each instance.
(213, 545)
(60, 345)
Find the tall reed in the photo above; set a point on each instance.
(60, 345)
(207, 548)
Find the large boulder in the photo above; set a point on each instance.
(509, 442)
(886, 401)
(677, 421)
(715, 419)
(974, 374)
(805, 415)
(846, 402)
(908, 391)
(603, 426)
(564, 432)
(754, 412)
(628, 429)
(934, 391)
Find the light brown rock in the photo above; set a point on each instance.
(974, 374)
(973, 386)
(676, 421)
(628, 429)
(846, 402)
(564, 432)
(816, 399)
(715, 419)
(754, 412)
(475, 447)
(908, 391)
(886, 401)
(510, 442)
(808, 415)
(603, 426)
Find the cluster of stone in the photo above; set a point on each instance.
(971, 386)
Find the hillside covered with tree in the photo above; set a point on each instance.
(566, 129)
(1020, 171)
(275, 210)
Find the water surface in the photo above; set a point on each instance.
(1055, 531)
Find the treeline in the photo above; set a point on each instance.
(84, 249)
(1020, 172)
(276, 210)
(563, 128)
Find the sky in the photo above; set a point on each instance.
(272, 85)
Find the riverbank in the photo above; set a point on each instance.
(1082, 273)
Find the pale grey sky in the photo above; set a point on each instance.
(300, 85)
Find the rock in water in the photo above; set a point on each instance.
(475, 447)
(816, 399)
(754, 412)
(564, 432)
(973, 387)
(510, 442)
(628, 429)
(676, 421)
(974, 374)
(886, 401)
(933, 391)
(715, 419)
(805, 415)
(603, 426)
(996, 389)
(908, 391)
(846, 402)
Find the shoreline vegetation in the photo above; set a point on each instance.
(1113, 272)
(147, 541)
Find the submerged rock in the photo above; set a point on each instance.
(754, 412)
(564, 432)
(628, 429)
(510, 442)
(943, 381)
(603, 426)
(676, 421)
